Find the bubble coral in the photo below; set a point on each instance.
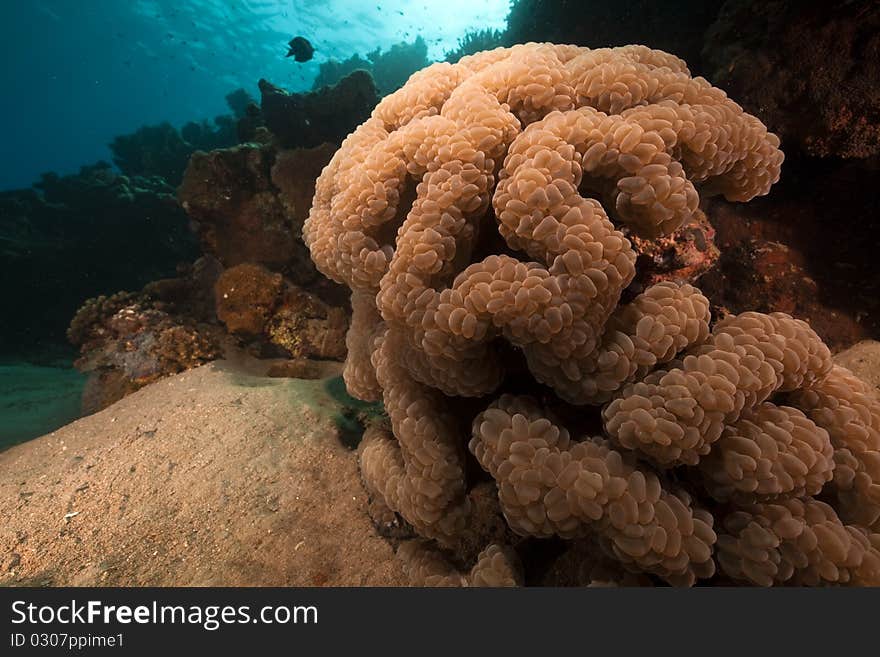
(496, 566)
(675, 415)
(847, 408)
(468, 217)
(550, 485)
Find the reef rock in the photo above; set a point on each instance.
(808, 70)
(128, 340)
(294, 173)
(74, 237)
(255, 303)
(213, 477)
(248, 204)
(329, 114)
(239, 218)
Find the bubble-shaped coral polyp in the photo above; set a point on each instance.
(478, 205)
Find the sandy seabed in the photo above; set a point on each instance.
(214, 477)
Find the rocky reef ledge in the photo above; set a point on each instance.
(217, 476)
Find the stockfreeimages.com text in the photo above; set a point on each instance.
(211, 617)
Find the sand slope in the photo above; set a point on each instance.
(211, 477)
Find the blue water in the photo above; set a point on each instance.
(36, 399)
(78, 72)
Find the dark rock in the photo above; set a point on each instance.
(677, 28)
(809, 248)
(77, 236)
(808, 70)
(389, 69)
(327, 115)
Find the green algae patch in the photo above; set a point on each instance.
(330, 399)
(354, 415)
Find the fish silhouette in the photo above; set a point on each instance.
(300, 49)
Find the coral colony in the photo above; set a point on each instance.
(554, 299)
(487, 279)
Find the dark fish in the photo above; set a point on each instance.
(300, 49)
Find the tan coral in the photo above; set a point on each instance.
(797, 542)
(674, 416)
(550, 485)
(650, 330)
(359, 375)
(497, 566)
(421, 473)
(447, 128)
(849, 409)
(359, 191)
(547, 147)
(771, 451)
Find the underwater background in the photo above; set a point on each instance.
(84, 72)
(106, 102)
